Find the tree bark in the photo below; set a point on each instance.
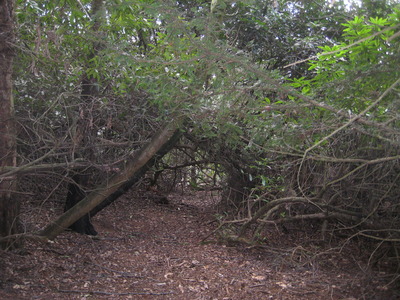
(137, 175)
(118, 184)
(76, 192)
(9, 206)
(84, 134)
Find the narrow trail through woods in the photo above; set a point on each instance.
(147, 250)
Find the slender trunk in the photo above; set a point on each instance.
(118, 184)
(139, 173)
(9, 206)
(84, 133)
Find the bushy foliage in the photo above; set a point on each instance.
(287, 99)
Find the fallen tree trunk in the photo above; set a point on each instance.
(141, 161)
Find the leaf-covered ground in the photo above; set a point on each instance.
(147, 250)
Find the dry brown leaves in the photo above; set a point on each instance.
(150, 251)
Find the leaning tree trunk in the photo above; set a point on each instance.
(139, 173)
(119, 183)
(9, 207)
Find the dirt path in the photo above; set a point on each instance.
(150, 251)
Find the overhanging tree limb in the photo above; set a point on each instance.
(354, 118)
(118, 183)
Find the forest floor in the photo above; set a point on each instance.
(146, 250)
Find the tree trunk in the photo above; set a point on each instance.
(119, 183)
(9, 206)
(75, 194)
(80, 179)
(84, 133)
(137, 175)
